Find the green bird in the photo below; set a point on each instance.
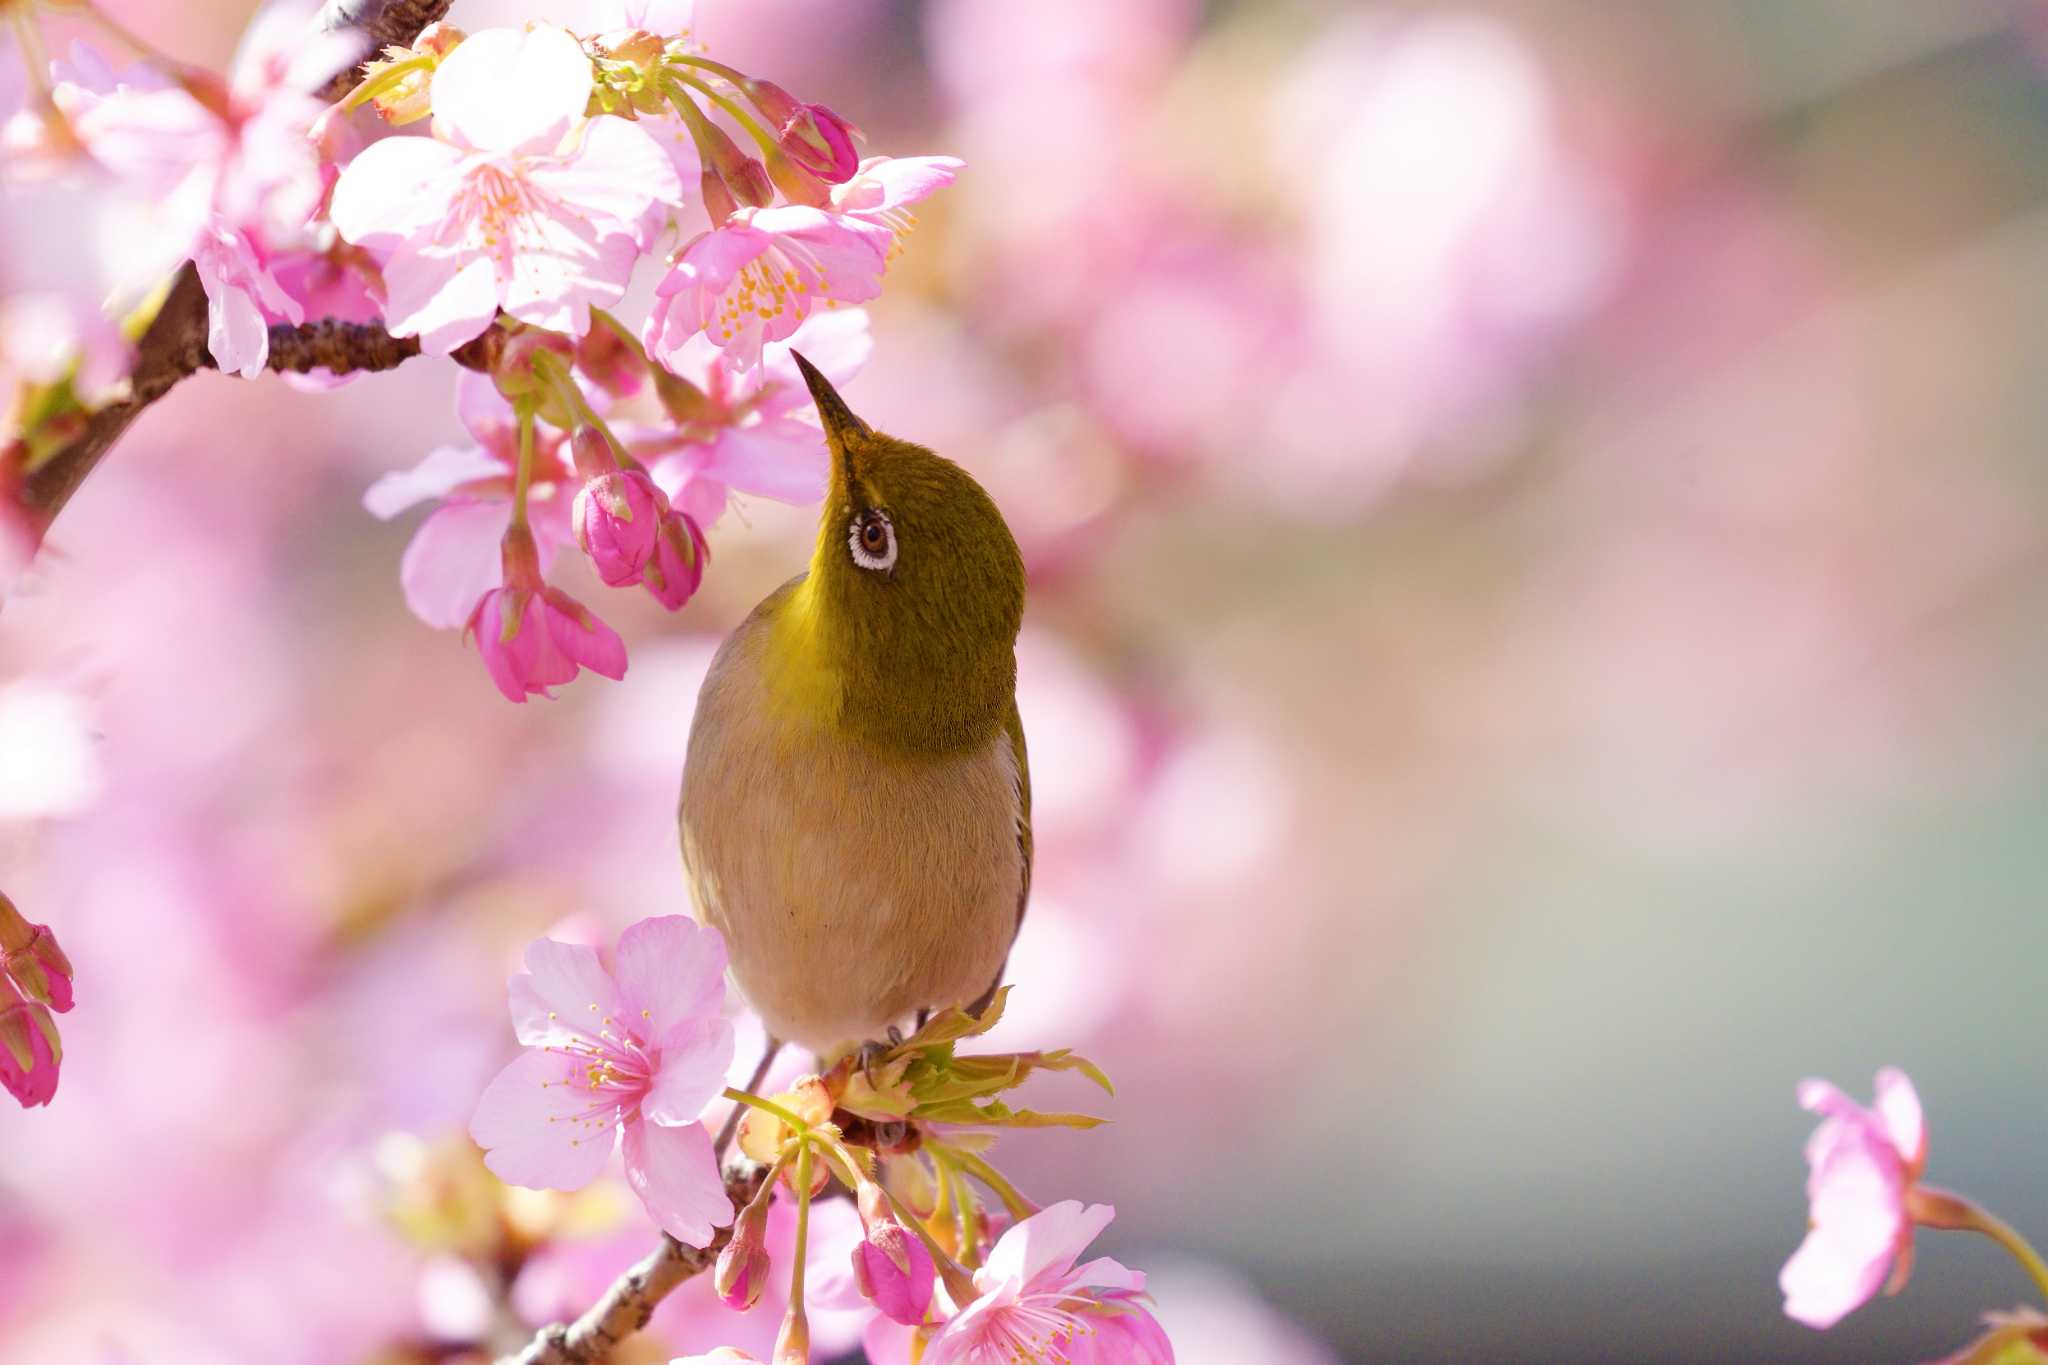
(856, 805)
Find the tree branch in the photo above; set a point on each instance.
(630, 1302)
(387, 23)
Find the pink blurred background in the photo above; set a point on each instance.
(1540, 560)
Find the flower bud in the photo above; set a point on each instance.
(30, 1051)
(517, 376)
(895, 1272)
(742, 1272)
(719, 204)
(676, 568)
(30, 955)
(618, 520)
(406, 98)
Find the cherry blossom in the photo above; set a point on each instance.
(1863, 1162)
(757, 278)
(516, 202)
(638, 1049)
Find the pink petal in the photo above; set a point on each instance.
(442, 298)
(582, 638)
(393, 190)
(1898, 1108)
(838, 343)
(886, 1342)
(505, 89)
(443, 470)
(532, 1125)
(486, 414)
(1129, 1336)
(1858, 1221)
(617, 172)
(781, 458)
(695, 1055)
(1822, 1097)
(672, 967)
(557, 279)
(452, 561)
(236, 335)
(1046, 1244)
(564, 990)
(885, 183)
(676, 1176)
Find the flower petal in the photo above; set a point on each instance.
(442, 299)
(506, 88)
(1898, 1109)
(443, 470)
(452, 561)
(695, 1056)
(1046, 1244)
(676, 1176)
(388, 193)
(534, 1126)
(581, 637)
(674, 968)
(564, 991)
(616, 172)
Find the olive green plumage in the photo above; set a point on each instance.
(856, 805)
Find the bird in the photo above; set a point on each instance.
(855, 812)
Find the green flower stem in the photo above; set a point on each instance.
(768, 145)
(1018, 1206)
(803, 1226)
(1936, 1208)
(523, 412)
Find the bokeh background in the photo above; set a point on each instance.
(1538, 523)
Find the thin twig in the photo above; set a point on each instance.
(630, 1302)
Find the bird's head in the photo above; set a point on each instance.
(916, 588)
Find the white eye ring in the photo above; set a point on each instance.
(866, 558)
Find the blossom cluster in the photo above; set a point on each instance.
(551, 166)
(632, 1053)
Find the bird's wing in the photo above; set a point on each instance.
(1015, 725)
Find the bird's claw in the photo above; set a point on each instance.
(873, 1051)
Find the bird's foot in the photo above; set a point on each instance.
(874, 1050)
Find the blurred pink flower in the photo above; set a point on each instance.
(48, 337)
(745, 434)
(618, 518)
(1035, 1298)
(757, 278)
(453, 559)
(642, 1048)
(498, 210)
(533, 637)
(30, 1052)
(1862, 1162)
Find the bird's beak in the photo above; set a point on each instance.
(843, 431)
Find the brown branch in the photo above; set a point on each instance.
(631, 1301)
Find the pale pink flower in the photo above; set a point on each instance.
(30, 1053)
(1862, 1163)
(516, 202)
(757, 278)
(453, 558)
(639, 1049)
(1037, 1303)
(46, 338)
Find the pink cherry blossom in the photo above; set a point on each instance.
(453, 558)
(516, 202)
(46, 338)
(1037, 1303)
(757, 278)
(242, 296)
(30, 1052)
(639, 1050)
(1862, 1162)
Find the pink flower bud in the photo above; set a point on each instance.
(895, 1272)
(30, 955)
(719, 204)
(611, 363)
(676, 568)
(618, 520)
(533, 637)
(822, 143)
(742, 1271)
(514, 372)
(30, 1052)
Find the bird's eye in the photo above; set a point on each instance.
(873, 541)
